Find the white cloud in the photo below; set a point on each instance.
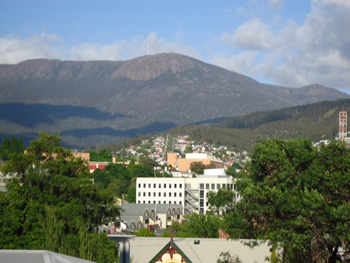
(13, 49)
(253, 35)
(316, 52)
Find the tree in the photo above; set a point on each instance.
(131, 196)
(222, 201)
(53, 205)
(298, 198)
(144, 232)
(199, 225)
(197, 167)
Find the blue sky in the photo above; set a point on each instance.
(284, 42)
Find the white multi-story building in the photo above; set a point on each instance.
(191, 193)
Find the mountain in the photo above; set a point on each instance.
(101, 102)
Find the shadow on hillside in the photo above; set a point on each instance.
(29, 115)
(151, 128)
(105, 131)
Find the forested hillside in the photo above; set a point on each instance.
(315, 121)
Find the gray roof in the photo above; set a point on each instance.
(37, 256)
(132, 209)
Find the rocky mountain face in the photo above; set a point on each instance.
(102, 102)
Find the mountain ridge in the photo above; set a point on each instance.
(162, 88)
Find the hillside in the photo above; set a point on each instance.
(316, 121)
(102, 102)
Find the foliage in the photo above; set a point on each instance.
(10, 146)
(144, 232)
(100, 156)
(228, 258)
(222, 201)
(131, 196)
(197, 167)
(53, 205)
(296, 197)
(199, 225)
(150, 162)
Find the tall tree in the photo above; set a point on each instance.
(53, 205)
(298, 198)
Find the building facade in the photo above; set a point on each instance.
(191, 193)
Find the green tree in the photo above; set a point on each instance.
(52, 202)
(298, 198)
(131, 196)
(222, 201)
(197, 167)
(199, 225)
(144, 232)
(5, 149)
(188, 149)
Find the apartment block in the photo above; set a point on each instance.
(191, 193)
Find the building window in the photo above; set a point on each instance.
(180, 202)
(159, 194)
(154, 185)
(144, 185)
(180, 194)
(174, 194)
(207, 186)
(174, 185)
(139, 194)
(201, 186)
(212, 186)
(139, 185)
(144, 201)
(169, 185)
(149, 193)
(139, 201)
(223, 186)
(149, 185)
(169, 194)
(164, 185)
(169, 202)
(149, 202)
(154, 194)
(164, 194)
(154, 202)
(144, 193)
(175, 202)
(164, 202)
(218, 186)
(160, 185)
(180, 185)
(159, 202)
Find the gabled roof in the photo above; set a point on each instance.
(170, 252)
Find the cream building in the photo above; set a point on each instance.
(191, 193)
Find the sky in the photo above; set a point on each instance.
(290, 43)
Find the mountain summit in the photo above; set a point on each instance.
(100, 102)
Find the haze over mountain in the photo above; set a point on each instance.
(102, 102)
